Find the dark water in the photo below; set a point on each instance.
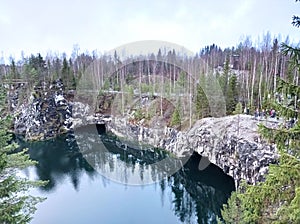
(80, 191)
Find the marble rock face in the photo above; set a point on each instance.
(232, 143)
(46, 114)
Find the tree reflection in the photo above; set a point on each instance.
(201, 193)
(57, 158)
(196, 195)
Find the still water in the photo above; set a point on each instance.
(80, 189)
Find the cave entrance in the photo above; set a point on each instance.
(101, 128)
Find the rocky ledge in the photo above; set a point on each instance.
(231, 142)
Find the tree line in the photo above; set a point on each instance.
(246, 74)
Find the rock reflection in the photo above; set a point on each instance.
(200, 193)
(125, 162)
(196, 195)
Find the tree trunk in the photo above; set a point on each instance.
(253, 81)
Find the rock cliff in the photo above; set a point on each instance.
(46, 114)
(231, 142)
(48, 111)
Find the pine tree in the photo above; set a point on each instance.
(14, 72)
(202, 104)
(67, 75)
(233, 210)
(16, 206)
(232, 94)
(175, 120)
(225, 76)
(228, 83)
(238, 108)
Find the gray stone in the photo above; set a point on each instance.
(45, 115)
(231, 142)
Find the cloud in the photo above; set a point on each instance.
(243, 9)
(35, 26)
(4, 20)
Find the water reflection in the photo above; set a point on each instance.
(57, 159)
(207, 190)
(195, 194)
(124, 161)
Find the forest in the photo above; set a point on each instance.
(245, 74)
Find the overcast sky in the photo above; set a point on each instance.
(39, 26)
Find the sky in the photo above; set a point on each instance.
(56, 26)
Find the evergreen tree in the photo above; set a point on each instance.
(182, 80)
(226, 74)
(14, 72)
(175, 118)
(228, 83)
(238, 108)
(232, 95)
(67, 75)
(296, 19)
(16, 206)
(202, 104)
(35, 69)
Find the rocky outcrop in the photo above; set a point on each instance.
(45, 115)
(80, 114)
(232, 143)
(49, 111)
(83, 115)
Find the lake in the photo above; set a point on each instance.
(118, 183)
